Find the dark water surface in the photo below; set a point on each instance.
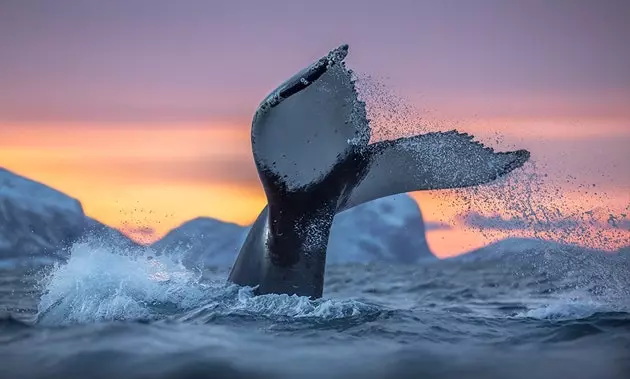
(551, 314)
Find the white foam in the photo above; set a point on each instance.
(98, 284)
(297, 306)
(573, 310)
(573, 305)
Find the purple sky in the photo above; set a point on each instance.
(197, 60)
(556, 71)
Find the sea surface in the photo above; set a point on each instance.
(533, 314)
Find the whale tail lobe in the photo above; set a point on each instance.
(432, 161)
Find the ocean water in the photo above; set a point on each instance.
(534, 314)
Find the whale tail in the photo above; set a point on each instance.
(310, 139)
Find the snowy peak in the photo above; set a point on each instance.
(203, 241)
(39, 221)
(35, 219)
(389, 229)
(27, 193)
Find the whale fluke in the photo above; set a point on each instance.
(310, 141)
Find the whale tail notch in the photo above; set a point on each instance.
(310, 140)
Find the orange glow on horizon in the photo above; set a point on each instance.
(146, 180)
(117, 171)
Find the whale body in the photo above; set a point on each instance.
(310, 141)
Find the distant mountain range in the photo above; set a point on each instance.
(39, 221)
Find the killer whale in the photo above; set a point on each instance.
(310, 141)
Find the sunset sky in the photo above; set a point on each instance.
(142, 109)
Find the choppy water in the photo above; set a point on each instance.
(540, 314)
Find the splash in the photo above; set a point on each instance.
(300, 306)
(98, 283)
(527, 203)
(389, 113)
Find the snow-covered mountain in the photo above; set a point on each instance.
(389, 229)
(39, 221)
(519, 249)
(35, 219)
(203, 241)
(550, 265)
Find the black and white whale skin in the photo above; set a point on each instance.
(310, 139)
